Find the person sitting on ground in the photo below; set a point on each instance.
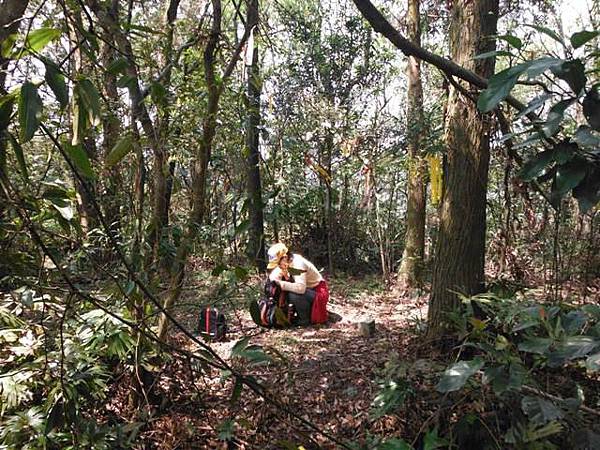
(308, 293)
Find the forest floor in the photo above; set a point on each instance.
(326, 374)
(330, 376)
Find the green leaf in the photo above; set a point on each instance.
(80, 160)
(241, 273)
(512, 40)
(493, 53)
(591, 108)
(38, 39)
(540, 411)
(586, 137)
(593, 362)
(555, 116)
(573, 72)
(499, 86)
(547, 32)
(119, 151)
(534, 104)
(582, 37)
(568, 176)
(20, 157)
(126, 81)
(572, 347)
(227, 430)
(237, 390)
(564, 151)
(536, 345)
(30, 111)
(587, 192)
(536, 67)
(86, 110)
(457, 375)
(393, 444)
(119, 65)
(240, 346)
(158, 93)
(534, 166)
(431, 441)
(574, 321)
(56, 81)
(7, 45)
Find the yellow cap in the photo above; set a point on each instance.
(275, 253)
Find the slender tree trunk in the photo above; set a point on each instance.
(256, 241)
(460, 251)
(414, 242)
(12, 12)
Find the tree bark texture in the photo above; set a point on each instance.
(460, 249)
(414, 242)
(256, 240)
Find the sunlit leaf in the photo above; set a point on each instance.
(512, 40)
(38, 39)
(120, 150)
(457, 375)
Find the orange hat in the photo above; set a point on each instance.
(275, 253)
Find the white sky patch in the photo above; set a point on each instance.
(575, 15)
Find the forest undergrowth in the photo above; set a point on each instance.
(382, 390)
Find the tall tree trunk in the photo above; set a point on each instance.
(460, 250)
(256, 241)
(414, 242)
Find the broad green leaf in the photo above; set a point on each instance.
(80, 159)
(574, 321)
(573, 72)
(240, 346)
(548, 32)
(582, 37)
(512, 40)
(457, 375)
(38, 39)
(504, 377)
(493, 53)
(568, 176)
(30, 111)
(555, 116)
(536, 67)
(237, 390)
(564, 151)
(538, 345)
(499, 86)
(531, 140)
(66, 210)
(591, 108)
(56, 81)
(572, 347)
(587, 192)
(119, 65)
(593, 362)
(540, 411)
(20, 157)
(535, 165)
(120, 150)
(586, 137)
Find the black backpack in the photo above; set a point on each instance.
(212, 324)
(273, 308)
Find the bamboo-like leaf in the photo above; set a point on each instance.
(30, 110)
(38, 39)
(20, 157)
(80, 159)
(56, 81)
(120, 150)
(512, 40)
(547, 32)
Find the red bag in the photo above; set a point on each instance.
(318, 312)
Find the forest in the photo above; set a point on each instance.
(437, 161)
